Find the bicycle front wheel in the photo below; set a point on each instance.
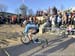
(25, 40)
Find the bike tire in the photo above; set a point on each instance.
(25, 39)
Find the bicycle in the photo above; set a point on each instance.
(25, 39)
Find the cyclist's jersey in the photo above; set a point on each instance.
(30, 26)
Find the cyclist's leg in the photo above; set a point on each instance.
(30, 36)
(26, 28)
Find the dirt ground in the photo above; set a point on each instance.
(10, 35)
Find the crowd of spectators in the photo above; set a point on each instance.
(55, 19)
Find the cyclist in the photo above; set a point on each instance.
(33, 25)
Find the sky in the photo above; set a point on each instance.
(35, 5)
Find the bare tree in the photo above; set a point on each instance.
(3, 8)
(17, 11)
(30, 12)
(54, 10)
(23, 9)
(62, 7)
(48, 11)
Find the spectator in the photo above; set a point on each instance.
(74, 21)
(64, 19)
(31, 25)
(59, 20)
(52, 21)
(2, 20)
(69, 19)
